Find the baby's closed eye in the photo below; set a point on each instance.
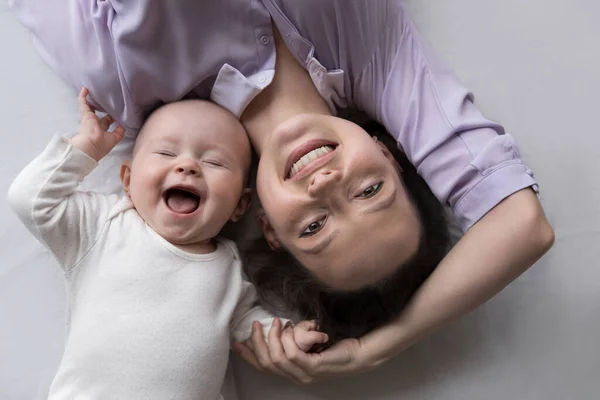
(214, 163)
(165, 153)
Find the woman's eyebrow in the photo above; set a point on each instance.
(319, 247)
(382, 204)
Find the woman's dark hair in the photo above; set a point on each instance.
(281, 280)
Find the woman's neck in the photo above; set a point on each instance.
(291, 93)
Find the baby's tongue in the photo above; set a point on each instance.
(182, 202)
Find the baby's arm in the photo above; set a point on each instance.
(248, 316)
(43, 194)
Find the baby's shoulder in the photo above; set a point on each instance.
(123, 207)
(229, 245)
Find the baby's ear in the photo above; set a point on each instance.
(243, 205)
(268, 231)
(126, 177)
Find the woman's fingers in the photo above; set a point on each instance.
(284, 355)
(294, 353)
(248, 355)
(338, 361)
(260, 347)
(278, 355)
(262, 351)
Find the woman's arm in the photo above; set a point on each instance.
(496, 250)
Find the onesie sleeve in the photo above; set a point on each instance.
(45, 199)
(247, 312)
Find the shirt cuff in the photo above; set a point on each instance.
(491, 190)
(61, 147)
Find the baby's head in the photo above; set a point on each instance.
(188, 173)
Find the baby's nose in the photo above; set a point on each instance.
(188, 167)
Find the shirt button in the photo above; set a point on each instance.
(264, 39)
(262, 80)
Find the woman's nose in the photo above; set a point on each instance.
(323, 182)
(187, 167)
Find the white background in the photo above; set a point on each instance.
(535, 66)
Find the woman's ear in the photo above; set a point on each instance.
(268, 231)
(388, 154)
(243, 205)
(126, 177)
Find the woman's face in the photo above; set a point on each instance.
(333, 197)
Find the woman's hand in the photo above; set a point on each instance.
(283, 355)
(94, 138)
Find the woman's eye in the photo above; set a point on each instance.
(313, 228)
(370, 191)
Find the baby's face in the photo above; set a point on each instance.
(188, 171)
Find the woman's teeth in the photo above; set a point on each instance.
(308, 157)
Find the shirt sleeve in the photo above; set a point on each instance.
(131, 58)
(468, 161)
(44, 198)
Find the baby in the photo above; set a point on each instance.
(155, 298)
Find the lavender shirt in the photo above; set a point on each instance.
(365, 55)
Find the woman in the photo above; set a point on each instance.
(363, 55)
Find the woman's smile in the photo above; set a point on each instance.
(309, 158)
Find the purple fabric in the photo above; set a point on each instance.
(364, 54)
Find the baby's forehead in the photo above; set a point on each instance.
(196, 123)
(198, 119)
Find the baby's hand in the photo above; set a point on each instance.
(306, 335)
(93, 138)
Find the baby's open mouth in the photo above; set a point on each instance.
(182, 200)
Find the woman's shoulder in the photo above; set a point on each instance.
(346, 34)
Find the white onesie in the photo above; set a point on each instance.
(146, 319)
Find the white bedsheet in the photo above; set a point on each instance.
(533, 65)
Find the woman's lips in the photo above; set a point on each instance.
(303, 150)
(313, 166)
